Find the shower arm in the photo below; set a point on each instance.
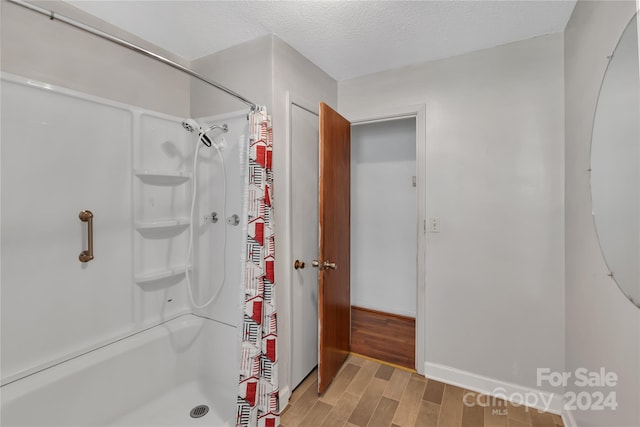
(117, 40)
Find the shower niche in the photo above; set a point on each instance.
(161, 199)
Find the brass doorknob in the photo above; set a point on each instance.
(298, 264)
(325, 265)
(329, 265)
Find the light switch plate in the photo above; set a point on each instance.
(434, 225)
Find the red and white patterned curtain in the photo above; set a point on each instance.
(258, 400)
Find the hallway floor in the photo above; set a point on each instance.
(383, 336)
(368, 393)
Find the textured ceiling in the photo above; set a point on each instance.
(344, 38)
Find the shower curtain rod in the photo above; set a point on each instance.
(79, 25)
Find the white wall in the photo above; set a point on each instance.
(494, 177)
(245, 68)
(602, 326)
(35, 47)
(383, 216)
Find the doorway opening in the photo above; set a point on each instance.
(384, 242)
(304, 133)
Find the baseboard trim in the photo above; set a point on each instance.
(382, 362)
(568, 419)
(538, 399)
(284, 395)
(384, 313)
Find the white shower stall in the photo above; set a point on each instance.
(116, 340)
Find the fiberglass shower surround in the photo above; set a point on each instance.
(169, 198)
(104, 314)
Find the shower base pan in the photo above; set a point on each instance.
(174, 409)
(154, 378)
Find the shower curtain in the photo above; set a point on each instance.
(258, 400)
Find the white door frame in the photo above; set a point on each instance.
(419, 113)
(361, 117)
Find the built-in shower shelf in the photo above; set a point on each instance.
(160, 274)
(153, 177)
(162, 224)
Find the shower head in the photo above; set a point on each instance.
(193, 126)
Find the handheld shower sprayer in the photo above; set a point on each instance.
(193, 126)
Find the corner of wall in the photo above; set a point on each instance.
(230, 67)
(292, 73)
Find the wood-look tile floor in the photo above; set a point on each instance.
(367, 393)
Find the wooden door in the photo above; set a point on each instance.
(334, 292)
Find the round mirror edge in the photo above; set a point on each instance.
(610, 57)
